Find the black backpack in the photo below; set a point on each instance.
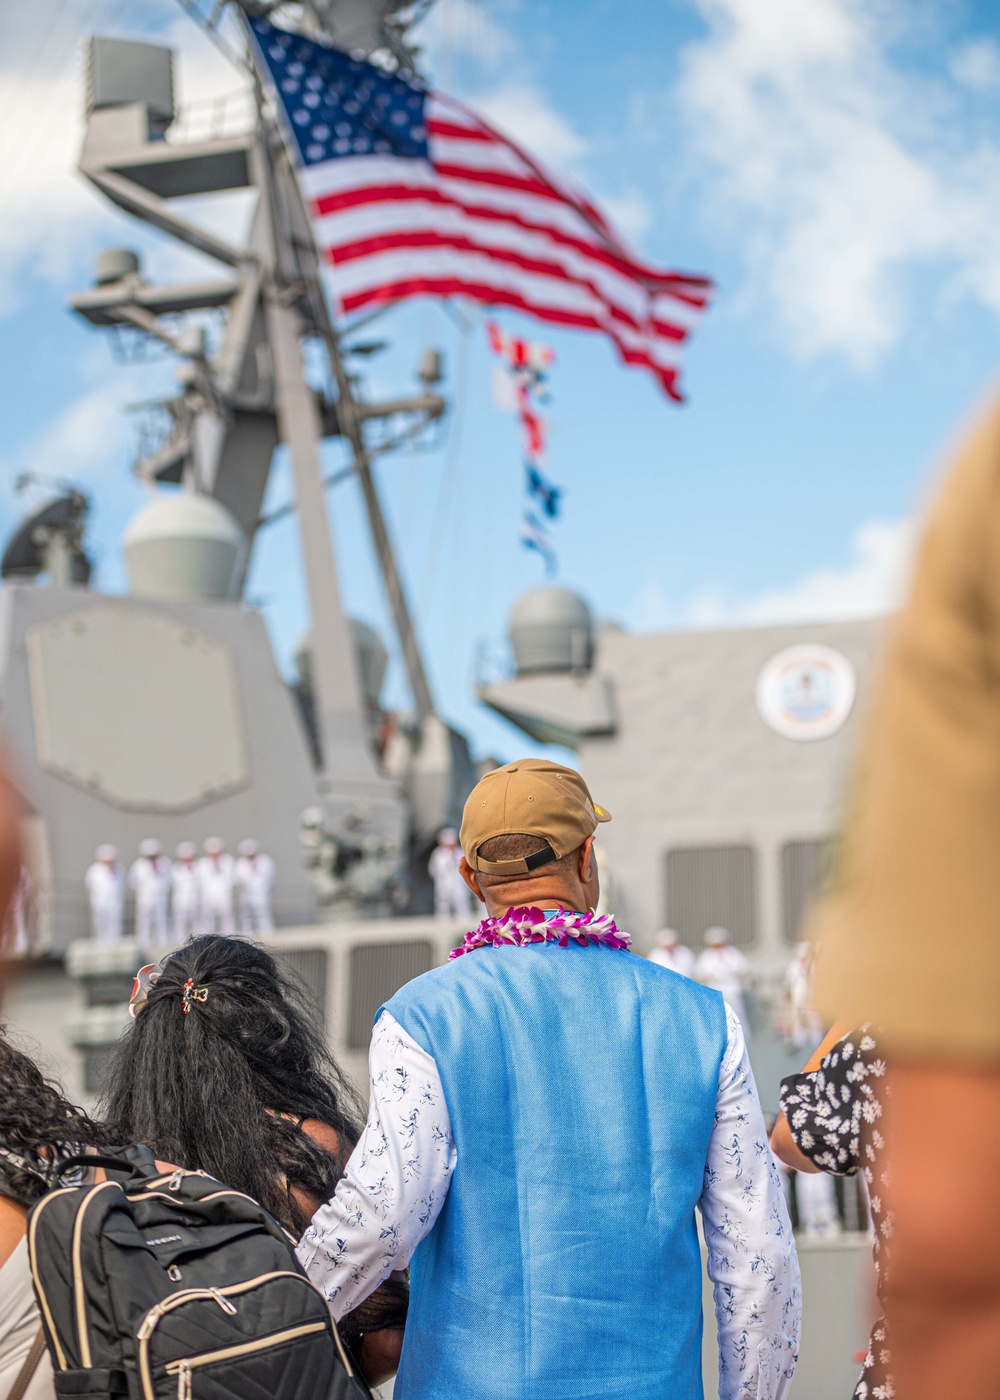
(156, 1287)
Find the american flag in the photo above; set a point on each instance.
(411, 193)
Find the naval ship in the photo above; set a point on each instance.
(162, 711)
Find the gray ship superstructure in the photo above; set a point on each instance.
(723, 755)
(163, 713)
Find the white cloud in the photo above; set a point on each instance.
(466, 28)
(90, 437)
(524, 113)
(48, 212)
(976, 65)
(872, 583)
(836, 170)
(54, 222)
(629, 212)
(509, 96)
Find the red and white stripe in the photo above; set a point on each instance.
(481, 219)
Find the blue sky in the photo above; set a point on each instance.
(834, 166)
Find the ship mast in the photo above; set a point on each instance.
(253, 392)
(352, 414)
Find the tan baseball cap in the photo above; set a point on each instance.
(532, 797)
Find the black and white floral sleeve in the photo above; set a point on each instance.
(834, 1110)
(834, 1113)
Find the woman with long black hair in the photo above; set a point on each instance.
(223, 1072)
(39, 1128)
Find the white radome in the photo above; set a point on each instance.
(551, 630)
(183, 546)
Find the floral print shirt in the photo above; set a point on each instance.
(834, 1114)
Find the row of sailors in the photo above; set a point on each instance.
(719, 965)
(725, 968)
(176, 899)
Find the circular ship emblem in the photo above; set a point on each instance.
(806, 692)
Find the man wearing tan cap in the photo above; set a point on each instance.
(547, 1113)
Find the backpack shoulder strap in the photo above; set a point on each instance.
(30, 1366)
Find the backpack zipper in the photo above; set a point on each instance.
(79, 1297)
(169, 1176)
(184, 1381)
(206, 1358)
(50, 1324)
(146, 1194)
(188, 1295)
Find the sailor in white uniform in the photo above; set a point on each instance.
(254, 875)
(671, 952)
(149, 879)
(105, 883)
(215, 883)
(805, 1027)
(451, 893)
(186, 892)
(16, 938)
(816, 1198)
(725, 968)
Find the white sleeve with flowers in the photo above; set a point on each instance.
(395, 1182)
(751, 1253)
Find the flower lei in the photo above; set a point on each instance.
(520, 927)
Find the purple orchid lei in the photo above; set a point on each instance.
(529, 925)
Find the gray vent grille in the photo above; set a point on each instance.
(710, 885)
(378, 970)
(804, 867)
(307, 968)
(96, 1061)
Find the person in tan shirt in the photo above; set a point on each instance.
(920, 873)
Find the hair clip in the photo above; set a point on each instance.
(145, 979)
(192, 993)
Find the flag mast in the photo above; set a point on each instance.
(302, 429)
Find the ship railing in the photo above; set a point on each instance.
(493, 662)
(228, 115)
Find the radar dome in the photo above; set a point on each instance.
(551, 630)
(183, 547)
(372, 661)
(114, 265)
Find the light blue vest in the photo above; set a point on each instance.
(581, 1085)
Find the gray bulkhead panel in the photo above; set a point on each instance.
(127, 718)
(100, 677)
(693, 765)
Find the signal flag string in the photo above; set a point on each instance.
(526, 365)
